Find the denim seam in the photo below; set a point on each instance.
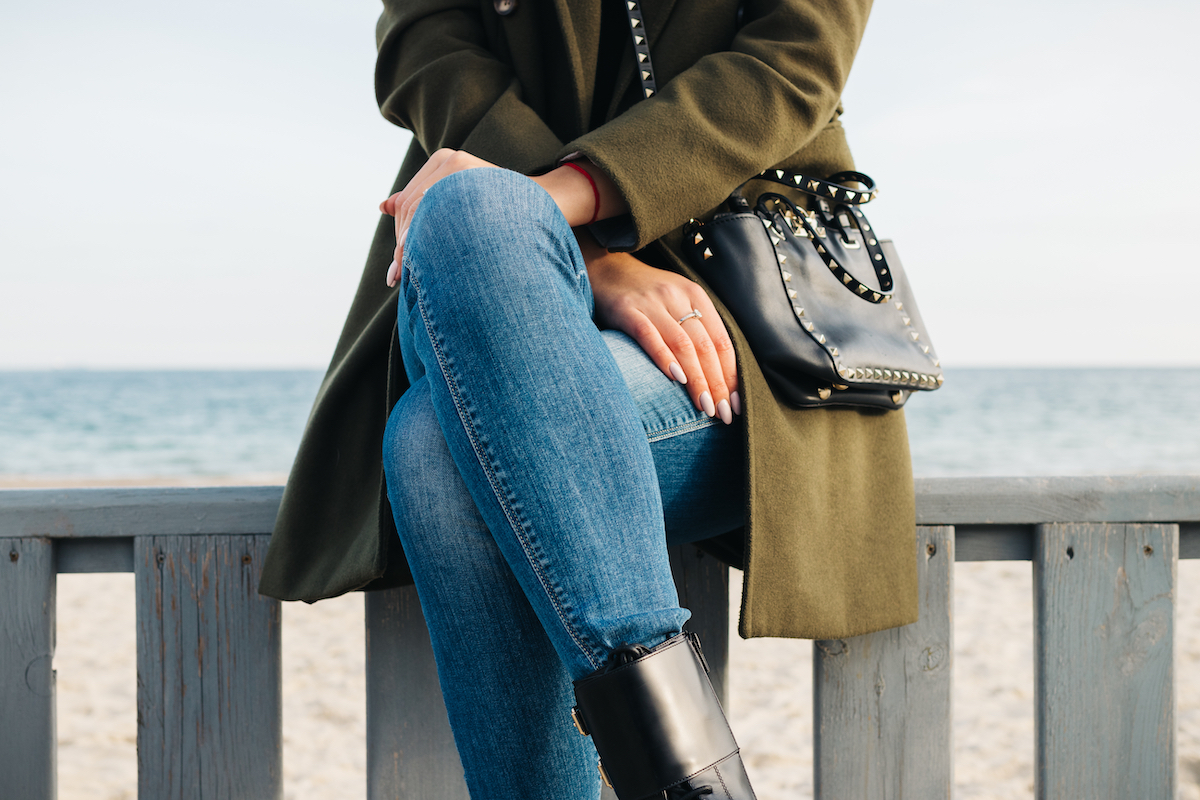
(552, 592)
(680, 429)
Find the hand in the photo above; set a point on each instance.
(571, 191)
(403, 204)
(646, 303)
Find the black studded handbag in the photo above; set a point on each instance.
(822, 300)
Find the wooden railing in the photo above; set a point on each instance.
(1104, 553)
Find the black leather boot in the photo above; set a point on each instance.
(658, 726)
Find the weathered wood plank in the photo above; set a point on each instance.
(993, 542)
(1104, 599)
(1119, 498)
(97, 554)
(881, 702)
(208, 663)
(27, 726)
(703, 586)
(410, 748)
(71, 513)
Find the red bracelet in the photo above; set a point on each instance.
(595, 189)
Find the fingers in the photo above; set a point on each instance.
(403, 204)
(691, 341)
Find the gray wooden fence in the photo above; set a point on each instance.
(1104, 552)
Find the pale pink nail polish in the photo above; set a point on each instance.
(677, 373)
(725, 412)
(706, 404)
(735, 400)
(393, 273)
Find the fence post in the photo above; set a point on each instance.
(27, 729)
(208, 666)
(881, 702)
(1104, 598)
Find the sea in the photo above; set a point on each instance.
(127, 425)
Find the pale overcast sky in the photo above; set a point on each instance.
(194, 185)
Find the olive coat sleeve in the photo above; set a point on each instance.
(436, 75)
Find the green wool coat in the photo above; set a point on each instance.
(828, 546)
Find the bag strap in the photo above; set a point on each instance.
(830, 188)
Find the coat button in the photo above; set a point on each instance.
(504, 7)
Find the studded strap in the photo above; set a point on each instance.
(831, 188)
(641, 47)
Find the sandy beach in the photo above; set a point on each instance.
(770, 697)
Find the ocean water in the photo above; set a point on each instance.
(96, 424)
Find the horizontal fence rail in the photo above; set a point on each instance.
(1104, 553)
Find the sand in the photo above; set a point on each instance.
(770, 692)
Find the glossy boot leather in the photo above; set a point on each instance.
(658, 726)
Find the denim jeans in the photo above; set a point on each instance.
(537, 468)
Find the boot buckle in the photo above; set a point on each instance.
(604, 775)
(578, 720)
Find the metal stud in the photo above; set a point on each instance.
(767, 223)
(903, 376)
(787, 276)
(897, 397)
(862, 289)
(634, 22)
(849, 195)
(875, 297)
(873, 242)
(643, 57)
(821, 338)
(878, 374)
(937, 362)
(907, 320)
(899, 306)
(915, 336)
(879, 256)
(645, 75)
(799, 311)
(649, 93)
(779, 174)
(796, 179)
(698, 238)
(824, 392)
(833, 351)
(814, 185)
(782, 258)
(708, 253)
(639, 39)
(632, 6)
(939, 380)
(775, 240)
(887, 373)
(791, 294)
(846, 278)
(808, 326)
(821, 249)
(832, 190)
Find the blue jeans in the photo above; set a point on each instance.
(536, 468)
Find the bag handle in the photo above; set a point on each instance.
(816, 233)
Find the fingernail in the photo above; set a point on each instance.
(725, 412)
(393, 273)
(735, 400)
(403, 236)
(677, 373)
(706, 403)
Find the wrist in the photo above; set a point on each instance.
(571, 192)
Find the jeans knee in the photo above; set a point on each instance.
(482, 214)
(415, 455)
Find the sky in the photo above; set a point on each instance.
(194, 185)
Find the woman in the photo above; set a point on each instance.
(536, 466)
